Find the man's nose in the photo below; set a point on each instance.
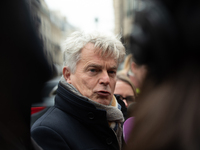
(104, 79)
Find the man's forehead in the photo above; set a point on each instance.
(93, 56)
(99, 62)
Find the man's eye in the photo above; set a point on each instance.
(112, 72)
(93, 70)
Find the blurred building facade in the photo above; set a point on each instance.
(124, 15)
(124, 11)
(52, 28)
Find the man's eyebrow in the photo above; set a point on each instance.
(94, 65)
(99, 66)
(113, 68)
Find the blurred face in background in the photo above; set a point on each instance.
(125, 91)
(139, 73)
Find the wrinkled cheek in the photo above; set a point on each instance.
(87, 90)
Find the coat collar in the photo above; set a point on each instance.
(77, 106)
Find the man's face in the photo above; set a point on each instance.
(95, 76)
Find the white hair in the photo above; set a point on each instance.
(109, 45)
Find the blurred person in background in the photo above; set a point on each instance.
(86, 114)
(125, 89)
(24, 69)
(139, 74)
(127, 66)
(166, 40)
(125, 93)
(135, 72)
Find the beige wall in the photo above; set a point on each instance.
(118, 12)
(124, 15)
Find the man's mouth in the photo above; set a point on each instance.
(103, 93)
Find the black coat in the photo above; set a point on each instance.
(73, 123)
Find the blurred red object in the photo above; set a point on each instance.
(36, 109)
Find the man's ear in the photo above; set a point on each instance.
(67, 74)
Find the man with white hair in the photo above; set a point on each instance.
(86, 114)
